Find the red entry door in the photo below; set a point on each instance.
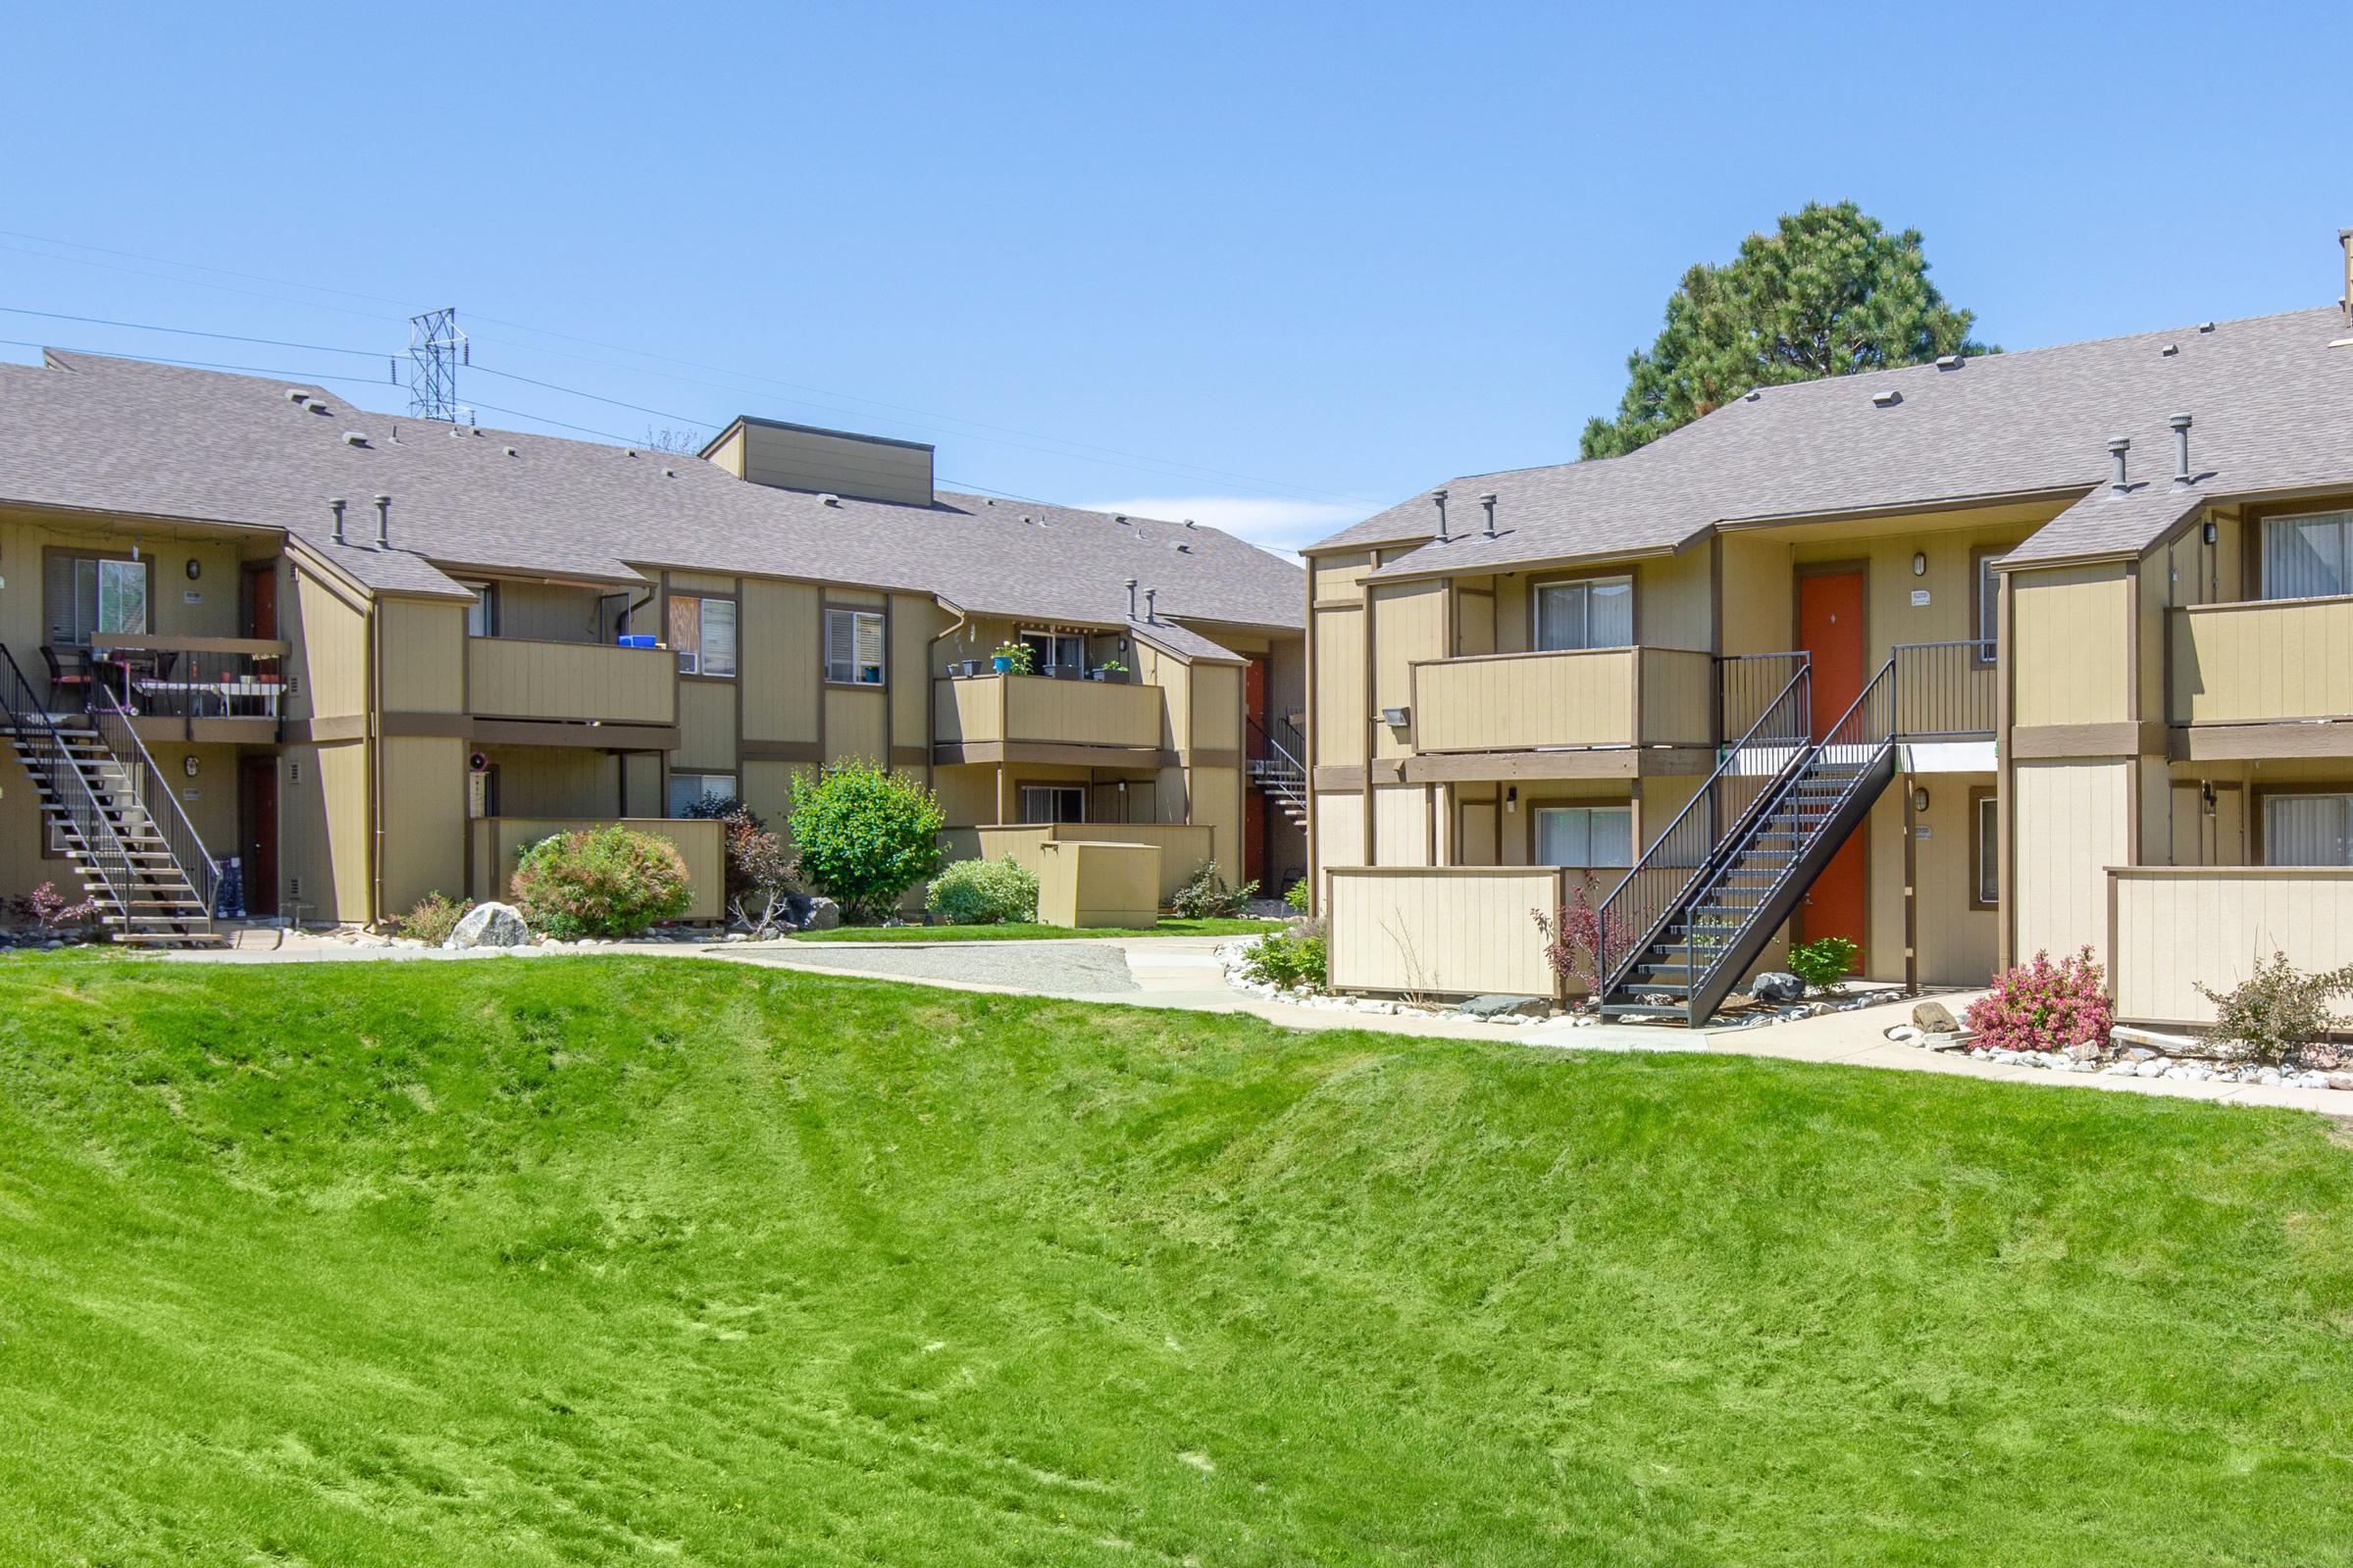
(257, 833)
(1830, 630)
(1254, 801)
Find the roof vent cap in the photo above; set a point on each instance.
(2169, 350)
(510, 451)
(355, 437)
(2205, 326)
(1888, 398)
(633, 452)
(1948, 361)
(1119, 517)
(1181, 547)
(1189, 522)
(670, 474)
(296, 394)
(829, 498)
(317, 405)
(1753, 393)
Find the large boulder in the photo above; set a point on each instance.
(1498, 1005)
(824, 915)
(489, 925)
(1935, 1018)
(1775, 986)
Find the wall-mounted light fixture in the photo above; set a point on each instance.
(1395, 718)
(1511, 797)
(2206, 795)
(2210, 533)
(196, 569)
(188, 765)
(1919, 800)
(1920, 563)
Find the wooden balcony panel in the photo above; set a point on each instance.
(1036, 709)
(1586, 699)
(510, 677)
(2260, 661)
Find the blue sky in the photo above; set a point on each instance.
(1268, 265)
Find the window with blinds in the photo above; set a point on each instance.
(2305, 557)
(853, 647)
(92, 595)
(2308, 830)
(1053, 803)
(1584, 836)
(1595, 613)
(704, 632)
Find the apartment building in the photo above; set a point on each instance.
(366, 657)
(2037, 650)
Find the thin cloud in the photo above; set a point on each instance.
(1284, 526)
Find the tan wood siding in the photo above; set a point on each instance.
(2178, 927)
(854, 724)
(1185, 847)
(424, 652)
(2072, 821)
(1338, 828)
(847, 465)
(323, 831)
(1408, 626)
(508, 678)
(1338, 703)
(2248, 663)
(1507, 702)
(1039, 710)
(706, 726)
(327, 666)
(425, 812)
(1457, 930)
(2073, 653)
(780, 670)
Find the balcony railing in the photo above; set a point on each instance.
(185, 677)
(1590, 697)
(1028, 709)
(512, 677)
(2260, 661)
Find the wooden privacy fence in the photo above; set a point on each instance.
(1185, 847)
(498, 842)
(1448, 931)
(2172, 926)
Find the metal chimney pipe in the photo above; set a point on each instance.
(2181, 424)
(1488, 501)
(1150, 614)
(1131, 598)
(337, 504)
(2117, 446)
(1440, 497)
(383, 522)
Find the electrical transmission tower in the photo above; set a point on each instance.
(435, 349)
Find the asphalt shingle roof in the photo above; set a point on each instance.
(128, 436)
(2272, 400)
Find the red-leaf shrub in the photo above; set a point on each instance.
(600, 882)
(1573, 936)
(2042, 1006)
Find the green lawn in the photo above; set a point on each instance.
(644, 1260)
(1031, 932)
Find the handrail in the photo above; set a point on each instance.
(122, 737)
(109, 857)
(1273, 731)
(1942, 690)
(1696, 839)
(1746, 685)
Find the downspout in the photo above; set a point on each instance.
(373, 687)
(930, 706)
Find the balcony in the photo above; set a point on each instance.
(2260, 661)
(579, 683)
(977, 719)
(1588, 699)
(187, 688)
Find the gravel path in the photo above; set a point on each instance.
(1078, 968)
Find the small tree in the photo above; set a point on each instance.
(864, 835)
(1824, 963)
(600, 882)
(759, 868)
(1573, 939)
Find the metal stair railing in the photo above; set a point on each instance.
(1750, 773)
(1274, 756)
(149, 785)
(69, 786)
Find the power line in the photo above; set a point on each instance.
(200, 267)
(197, 364)
(190, 331)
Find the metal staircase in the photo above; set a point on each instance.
(1699, 908)
(110, 809)
(1274, 766)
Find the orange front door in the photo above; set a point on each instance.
(1830, 628)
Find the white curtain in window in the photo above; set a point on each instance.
(1597, 613)
(2304, 557)
(2307, 830)
(718, 637)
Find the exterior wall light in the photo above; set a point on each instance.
(1919, 800)
(188, 765)
(1920, 563)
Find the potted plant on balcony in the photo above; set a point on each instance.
(1108, 669)
(1014, 658)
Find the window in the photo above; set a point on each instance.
(1591, 613)
(853, 647)
(704, 632)
(1584, 836)
(1985, 849)
(1050, 652)
(1053, 803)
(1988, 589)
(2304, 557)
(688, 788)
(2308, 830)
(482, 615)
(92, 595)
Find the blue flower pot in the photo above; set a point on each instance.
(1004, 663)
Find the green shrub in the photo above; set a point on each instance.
(984, 893)
(2281, 1015)
(1295, 898)
(1284, 958)
(864, 835)
(1824, 962)
(600, 882)
(433, 918)
(1207, 897)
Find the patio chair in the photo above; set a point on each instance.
(63, 682)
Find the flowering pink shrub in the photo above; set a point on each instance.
(2044, 1006)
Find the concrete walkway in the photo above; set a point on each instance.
(1183, 973)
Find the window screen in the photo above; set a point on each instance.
(1596, 613)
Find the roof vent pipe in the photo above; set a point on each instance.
(2117, 446)
(1440, 497)
(2345, 237)
(1149, 614)
(383, 522)
(1131, 598)
(338, 505)
(1488, 501)
(2181, 424)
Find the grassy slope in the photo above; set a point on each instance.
(608, 1260)
(1025, 931)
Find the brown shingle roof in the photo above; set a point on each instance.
(2273, 403)
(125, 436)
